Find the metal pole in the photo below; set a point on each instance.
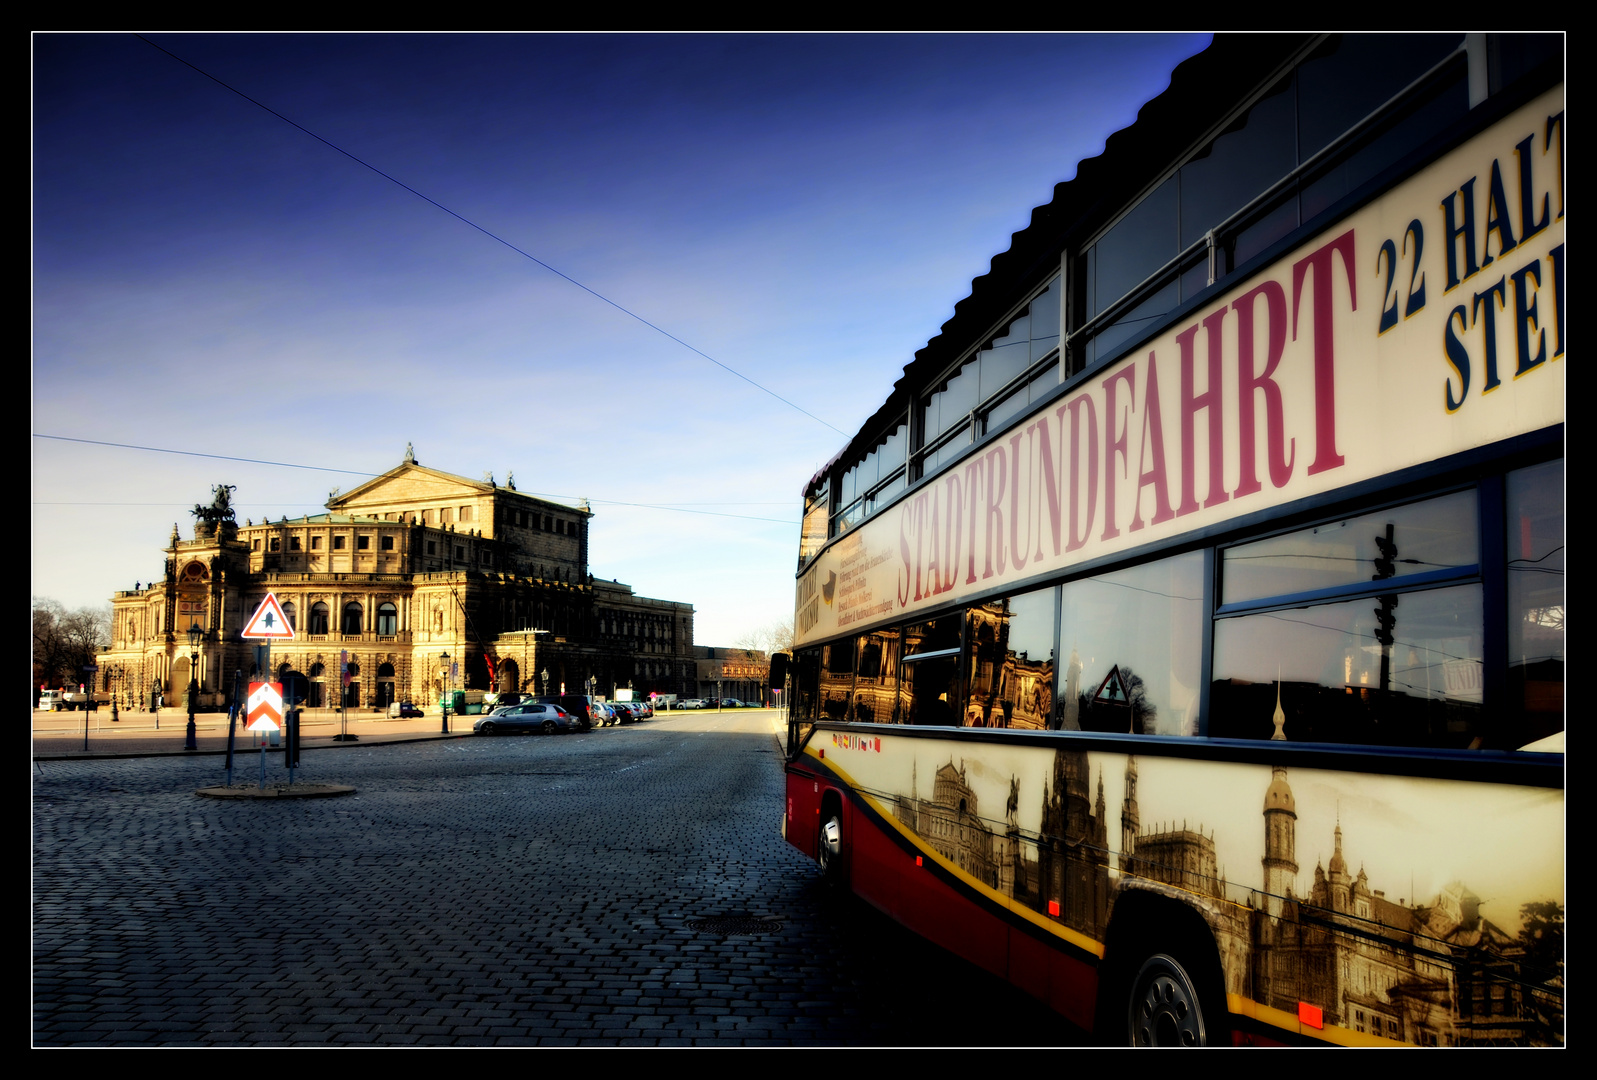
(444, 659)
(194, 695)
(232, 723)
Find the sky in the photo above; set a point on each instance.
(210, 279)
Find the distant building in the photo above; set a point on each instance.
(741, 674)
(410, 567)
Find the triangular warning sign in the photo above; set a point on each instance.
(269, 622)
(1112, 691)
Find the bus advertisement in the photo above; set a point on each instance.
(1183, 640)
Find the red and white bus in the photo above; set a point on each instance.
(1182, 640)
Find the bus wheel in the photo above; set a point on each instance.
(1165, 1007)
(830, 850)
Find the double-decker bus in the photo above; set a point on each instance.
(1183, 638)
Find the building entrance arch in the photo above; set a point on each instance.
(509, 677)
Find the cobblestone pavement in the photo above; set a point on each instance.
(504, 891)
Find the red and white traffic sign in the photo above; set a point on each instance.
(269, 622)
(265, 709)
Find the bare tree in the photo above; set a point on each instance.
(65, 642)
(47, 615)
(775, 638)
(779, 636)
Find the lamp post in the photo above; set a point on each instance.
(546, 680)
(115, 679)
(444, 660)
(195, 633)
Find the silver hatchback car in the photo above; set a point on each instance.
(528, 716)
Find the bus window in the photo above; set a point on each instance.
(1431, 537)
(1011, 645)
(1334, 673)
(930, 691)
(1399, 665)
(1536, 600)
(876, 679)
(837, 679)
(1133, 641)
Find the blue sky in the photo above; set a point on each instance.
(805, 209)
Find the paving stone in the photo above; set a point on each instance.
(471, 892)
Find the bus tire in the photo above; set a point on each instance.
(831, 853)
(1166, 1005)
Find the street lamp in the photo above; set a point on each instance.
(115, 674)
(195, 633)
(546, 680)
(444, 660)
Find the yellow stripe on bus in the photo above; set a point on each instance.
(1075, 937)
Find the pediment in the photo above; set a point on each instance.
(406, 485)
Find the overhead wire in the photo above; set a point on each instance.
(674, 508)
(488, 233)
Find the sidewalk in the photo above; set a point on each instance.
(59, 736)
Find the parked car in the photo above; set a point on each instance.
(404, 710)
(579, 705)
(527, 716)
(692, 703)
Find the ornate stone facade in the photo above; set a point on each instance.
(407, 568)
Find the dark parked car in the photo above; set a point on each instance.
(529, 716)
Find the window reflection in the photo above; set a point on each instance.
(876, 678)
(1536, 600)
(929, 690)
(1438, 534)
(806, 688)
(837, 679)
(1134, 640)
(1397, 670)
(1011, 646)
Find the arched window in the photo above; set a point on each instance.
(387, 619)
(352, 617)
(291, 613)
(319, 618)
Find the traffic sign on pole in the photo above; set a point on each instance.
(268, 622)
(265, 709)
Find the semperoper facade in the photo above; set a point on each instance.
(404, 570)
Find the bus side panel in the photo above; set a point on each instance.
(803, 810)
(885, 875)
(1029, 964)
(1067, 984)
